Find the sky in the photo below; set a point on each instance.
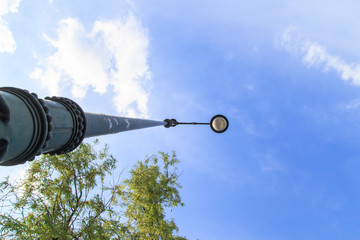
(285, 73)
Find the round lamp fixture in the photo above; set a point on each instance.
(219, 123)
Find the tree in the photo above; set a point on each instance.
(65, 197)
(149, 189)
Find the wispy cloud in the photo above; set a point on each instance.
(7, 42)
(352, 105)
(268, 164)
(113, 54)
(314, 54)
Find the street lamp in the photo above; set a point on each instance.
(30, 126)
(219, 123)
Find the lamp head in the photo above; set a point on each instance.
(219, 123)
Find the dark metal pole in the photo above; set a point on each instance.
(193, 123)
(30, 126)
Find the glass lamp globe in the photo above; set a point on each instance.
(219, 123)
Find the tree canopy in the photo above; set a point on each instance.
(66, 197)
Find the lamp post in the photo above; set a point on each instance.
(30, 126)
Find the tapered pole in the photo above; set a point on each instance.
(101, 124)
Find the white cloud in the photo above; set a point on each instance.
(314, 54)
(113, 54)
(7, 42)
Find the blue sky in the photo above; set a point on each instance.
(285, 73)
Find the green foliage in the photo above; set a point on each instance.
(151, 188)
(65, 197)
